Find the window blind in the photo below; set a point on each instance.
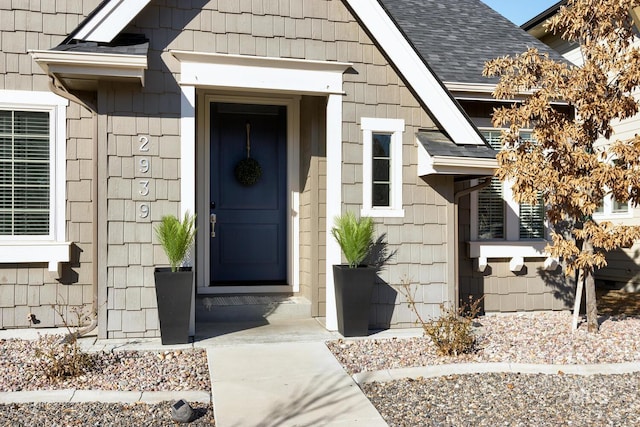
(532, 220)
(490, 200)
(24, 173)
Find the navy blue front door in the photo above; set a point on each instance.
(249, 246)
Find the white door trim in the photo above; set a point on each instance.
(292, 103)
(251, 74)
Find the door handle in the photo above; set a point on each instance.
(212, 219)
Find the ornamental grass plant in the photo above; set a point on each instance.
(176, 237)
(355, 237)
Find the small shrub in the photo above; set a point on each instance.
(452, 332)
(57, 359)
(60, 356)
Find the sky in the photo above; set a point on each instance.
(520, 11)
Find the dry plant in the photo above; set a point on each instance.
(452, 332)
(61, 357)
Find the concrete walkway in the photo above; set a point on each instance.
(286, 384)
(281, 374)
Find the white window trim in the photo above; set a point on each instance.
(396, 128)
(511, 247)
(609, 214)
(51, 249)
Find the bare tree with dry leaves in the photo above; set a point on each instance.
(575, 161)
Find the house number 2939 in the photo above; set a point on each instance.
(143, 168)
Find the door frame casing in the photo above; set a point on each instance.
(203, 169)
(244, 73)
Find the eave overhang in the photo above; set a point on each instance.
(439, 155)
(446, 165)
(83, 70)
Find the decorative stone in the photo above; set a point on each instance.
(181, 411)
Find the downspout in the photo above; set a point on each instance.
(60, 90)
(456, 261)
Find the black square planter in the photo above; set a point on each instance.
(353, 287)
(174, 291)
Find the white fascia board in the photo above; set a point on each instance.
(256, 72)
(445, 165)
(105, 25)
(49, 57)
(424, 83)
(480, 88)
(91, 64)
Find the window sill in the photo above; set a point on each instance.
(612, 216)
(382, 213)
(53, 253)
(517, 251)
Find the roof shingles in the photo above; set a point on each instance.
(456, 38)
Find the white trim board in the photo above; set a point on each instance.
(91, 65)
(447, 165)
(260, 73)
(107, 23)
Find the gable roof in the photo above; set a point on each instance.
(393, 24)
(456, 38)
(542, 16)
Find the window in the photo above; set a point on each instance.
(611, 208)
(498, 217)
(32, 178)
(25, 179)
(382, 167)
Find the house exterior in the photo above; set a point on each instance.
(622, 268)
(116, 113)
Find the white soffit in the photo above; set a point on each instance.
(110, 20)
(451, 165)
(91, 64)
(418, 75)
(257, 72)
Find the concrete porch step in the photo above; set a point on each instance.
(247, 308)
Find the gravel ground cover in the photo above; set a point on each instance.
(97, 414)
(507, 399)
(522, 338)
(115, 370)
(177, 370)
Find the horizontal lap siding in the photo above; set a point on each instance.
(30, 288)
